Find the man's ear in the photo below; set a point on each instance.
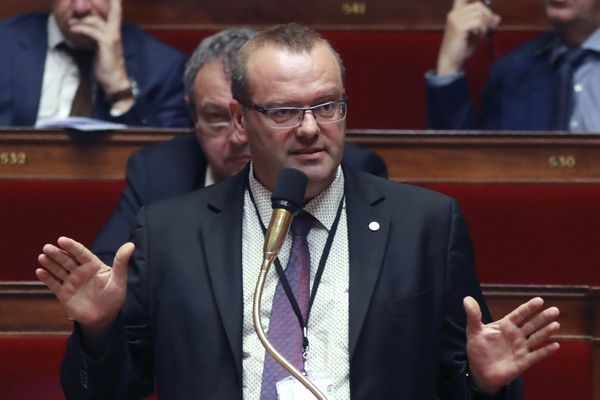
(237, 119)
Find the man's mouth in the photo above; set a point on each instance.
(307, 151)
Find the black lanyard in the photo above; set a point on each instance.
(284, 282)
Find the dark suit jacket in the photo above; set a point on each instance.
(519, 94)
(181, 326)
(155, 67)
(176, 167)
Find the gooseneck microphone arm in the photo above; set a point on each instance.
(287, 199)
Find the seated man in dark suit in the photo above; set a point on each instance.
(81, 61)
(396, 314)
(190, 162)
(549, 83)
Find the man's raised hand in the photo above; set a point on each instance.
(91, 292)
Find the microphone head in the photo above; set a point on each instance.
(289, 190)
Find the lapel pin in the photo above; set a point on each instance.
(374, 226)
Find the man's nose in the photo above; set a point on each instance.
(308, 126)
(81, 8)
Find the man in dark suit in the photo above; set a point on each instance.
(546, 84)
(190, 162)
(397, 310)
(80, 61)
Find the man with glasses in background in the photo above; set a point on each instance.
(211, 154)
(396, 314)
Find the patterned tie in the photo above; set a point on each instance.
(284, 329)
(82, 102)
(564, 97)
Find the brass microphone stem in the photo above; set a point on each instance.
(269, 257)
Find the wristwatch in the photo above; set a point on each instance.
(130, 92)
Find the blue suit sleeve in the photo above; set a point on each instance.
(449, 106)
(161, 105)
(123, 370)
(158, 71)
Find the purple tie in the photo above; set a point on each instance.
(285, 333)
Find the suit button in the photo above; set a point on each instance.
(83, 378)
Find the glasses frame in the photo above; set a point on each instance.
(265, 111)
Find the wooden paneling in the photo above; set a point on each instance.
(574, 302)
(30, 308)
(411, 156)
(339, 14)
(55, 154)
(488, 157)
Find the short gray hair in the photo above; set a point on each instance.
(223, 47)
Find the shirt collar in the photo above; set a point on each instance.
(593, 41)
(209, 179)
(558, 48)
(55, 35)
(323, 207)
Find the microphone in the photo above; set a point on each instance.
(287, 199)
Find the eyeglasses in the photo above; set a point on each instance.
(292, 117)
(213, 120)
(219, 126)
(214, 129)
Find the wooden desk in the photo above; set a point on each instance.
(411, 156)
(484, 157)
(55, 154)
(27, 308)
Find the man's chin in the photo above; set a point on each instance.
(323, 174)
(81, 41)
(559, 16)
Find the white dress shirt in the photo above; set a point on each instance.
(329, 317)
(61, 78)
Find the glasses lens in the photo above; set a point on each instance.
(284, 116)
(333, 111)
(291, 117)
(219, 125)
(216, 129)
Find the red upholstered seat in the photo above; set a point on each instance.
(525, 234)
(30, 368)
(567, 374)
(532, 234)
(37, 212)
(385, 70)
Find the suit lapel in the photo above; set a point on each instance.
(366, 244)
(222, 240)
(28, 68)
(223, 237)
